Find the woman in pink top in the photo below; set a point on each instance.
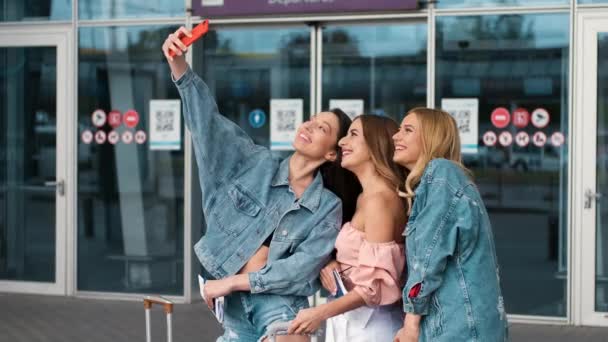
(370, 255)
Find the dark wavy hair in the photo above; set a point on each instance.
(337, 179)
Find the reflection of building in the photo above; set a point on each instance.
(130, 215)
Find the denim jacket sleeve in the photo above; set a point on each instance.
(435, 237)
(219, 144)
(298, 274)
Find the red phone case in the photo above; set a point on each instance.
(197, 32)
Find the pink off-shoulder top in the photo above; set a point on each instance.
(374, 270)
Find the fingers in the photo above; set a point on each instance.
(176, 41)
(183, 31)
(328, 281)
(295, 324)
(301, 329)
(208, 299)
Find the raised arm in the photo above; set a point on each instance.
(220, 145)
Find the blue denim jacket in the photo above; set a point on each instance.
(452, 260)
(247, 197)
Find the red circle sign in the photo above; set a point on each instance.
(99, 118)
(87, 136)
(521, 118)
(505, 138)
(539, 139)
(131, 118)
(540, 118)
(113, 137)
(522, 139)
(500, 117)
(140, 137)
(114, 118)
(558, 139)
(489, 138)
(127, 137)
(100, 137)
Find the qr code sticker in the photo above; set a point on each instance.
(463, 120)
(286, 120)
(164, 121)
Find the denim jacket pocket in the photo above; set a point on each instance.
(237, 211)
(243, 202)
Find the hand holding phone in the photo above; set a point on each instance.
(197, 32)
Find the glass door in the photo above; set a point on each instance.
(592, 116)
(33, 113)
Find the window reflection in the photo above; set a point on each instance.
(384, 65)
(130, 198)
(94, 9)
(601, 248)
(498, 3)
(19, 10)
(246, 68)
(28, 137)
(516, 61)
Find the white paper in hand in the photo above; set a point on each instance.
(218, 303)
(340, 288)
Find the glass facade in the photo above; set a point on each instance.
(381, 65)
(601, 232)
(35, 10)
(28, 122)
(499, 3)
(131, 188)
(120, 9)
(246, 68)
(519, 63)
(130, 194)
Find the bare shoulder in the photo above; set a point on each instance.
(382, 212)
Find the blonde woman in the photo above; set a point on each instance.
(370, 251)
(453, 288)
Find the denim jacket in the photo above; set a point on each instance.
(247, 197)
(453, 279)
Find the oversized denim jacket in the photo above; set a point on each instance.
(246, 197)
(453, 279)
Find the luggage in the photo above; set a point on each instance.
(168, 308)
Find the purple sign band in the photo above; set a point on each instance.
(235, 8)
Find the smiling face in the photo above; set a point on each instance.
(317, 137)
(408, 142)
(355, 151)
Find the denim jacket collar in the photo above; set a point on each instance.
(311, 197)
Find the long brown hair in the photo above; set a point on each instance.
(440, 139)
(378, 133)
(337, 179)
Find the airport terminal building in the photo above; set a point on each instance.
(98, 189)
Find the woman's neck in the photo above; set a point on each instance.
(370, 179)
(301, 172)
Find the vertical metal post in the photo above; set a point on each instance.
(169, 327)
(148, 330)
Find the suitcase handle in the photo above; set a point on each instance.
(149, 301)
(168, 306)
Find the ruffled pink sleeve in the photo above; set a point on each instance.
(377, 277)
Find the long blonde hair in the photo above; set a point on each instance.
(440, 139)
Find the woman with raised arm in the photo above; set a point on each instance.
(271, 225)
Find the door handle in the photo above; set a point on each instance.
(591, 197)
(59, 184)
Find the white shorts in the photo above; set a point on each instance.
(366, 324)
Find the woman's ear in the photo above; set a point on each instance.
(331, 156)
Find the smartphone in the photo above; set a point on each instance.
(197, 32)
